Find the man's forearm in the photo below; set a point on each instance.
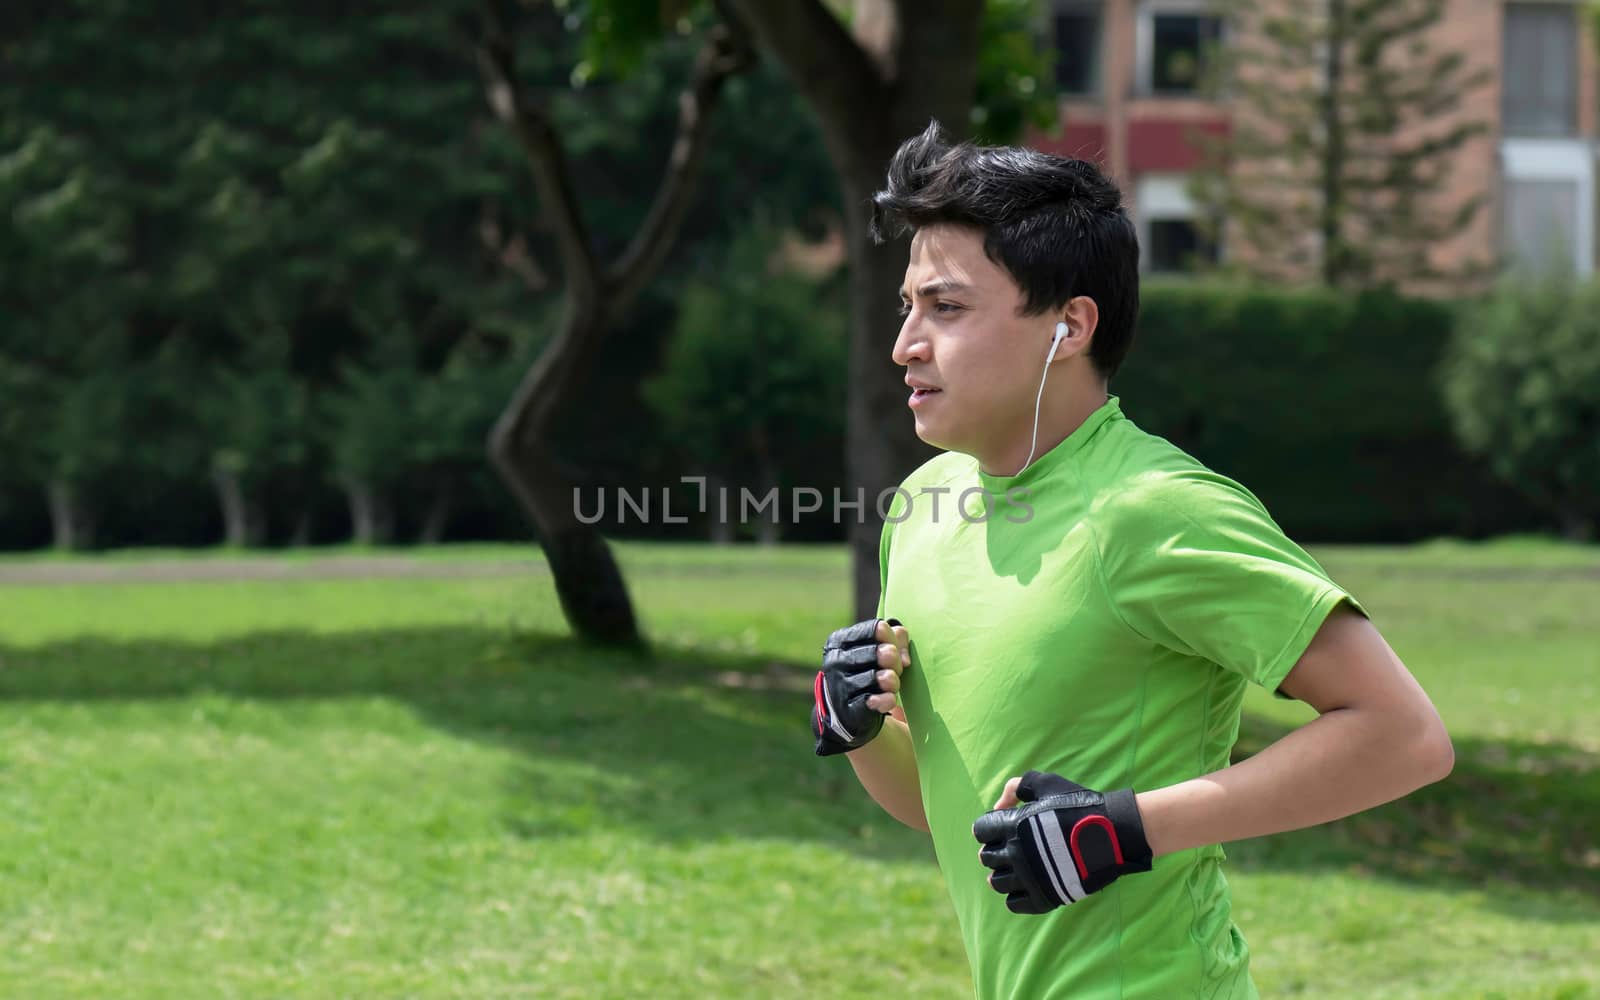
(1338, 764)
(887, 769)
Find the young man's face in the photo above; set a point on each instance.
(965, 336)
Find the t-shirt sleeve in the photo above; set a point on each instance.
(1195, 564)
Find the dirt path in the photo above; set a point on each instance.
(180, 570)
(330, 568)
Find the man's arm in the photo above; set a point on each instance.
(1377, 737)
(871, 731)
(887, 769)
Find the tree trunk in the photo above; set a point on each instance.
(883, 445)
(721, 528)
(769, 530)
(371, 514)
(589, 584)
(438, 516)
(71, 526)
(240, 520)
(588, 581)
(382, 518)
(360, 500)
(872, 85)
(300, 534)
(1576, 525)
(255, 524)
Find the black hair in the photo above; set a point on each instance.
(1055, 224)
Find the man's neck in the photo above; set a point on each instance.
(1060, 415)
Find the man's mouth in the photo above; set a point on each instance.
(921, 395)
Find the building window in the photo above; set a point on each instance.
(1541, 70)
(1178, 246)
(1175, 48)
(1538, 224)
(1077, 40)
(1172, 240)
(1547, 204)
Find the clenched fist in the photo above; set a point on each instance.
(1059, 841)
(855, 688)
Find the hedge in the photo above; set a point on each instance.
(1326, 405)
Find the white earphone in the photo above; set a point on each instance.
(1062, 330)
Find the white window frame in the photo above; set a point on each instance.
(1144, 40)
(1558, 160)
(1162, 196)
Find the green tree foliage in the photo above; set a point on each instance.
(752, 378)
(1522, 385)
(454, 409)
(261, 429)
(1016, 88)
(230, 228)
(63, 350)
(373, 429)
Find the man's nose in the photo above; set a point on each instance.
(910, 345)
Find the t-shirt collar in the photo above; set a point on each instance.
(1058, 456)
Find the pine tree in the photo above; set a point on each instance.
(1346, 124)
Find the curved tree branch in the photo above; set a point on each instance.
(727, 52)
(830, 69)
(535, 132)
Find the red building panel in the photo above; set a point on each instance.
(1164, 143)
(1083, 140)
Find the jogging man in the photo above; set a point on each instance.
(1077, 608)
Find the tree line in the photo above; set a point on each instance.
(283, 256)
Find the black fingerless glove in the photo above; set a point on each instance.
(840, 718)
(1062, 844)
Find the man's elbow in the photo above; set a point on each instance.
(916, 819)
(1434, 756)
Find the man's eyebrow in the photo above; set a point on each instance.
(935, 287)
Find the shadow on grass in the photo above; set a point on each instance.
(689, 746)
(1513, 813)
(686, 745)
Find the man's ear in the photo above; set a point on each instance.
(1082, 317)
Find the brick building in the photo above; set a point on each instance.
(1130, 99)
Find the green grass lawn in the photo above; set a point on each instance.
(420, 787)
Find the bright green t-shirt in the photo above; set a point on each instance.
(1097, 616)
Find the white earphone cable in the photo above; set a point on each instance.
(1038, 400)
